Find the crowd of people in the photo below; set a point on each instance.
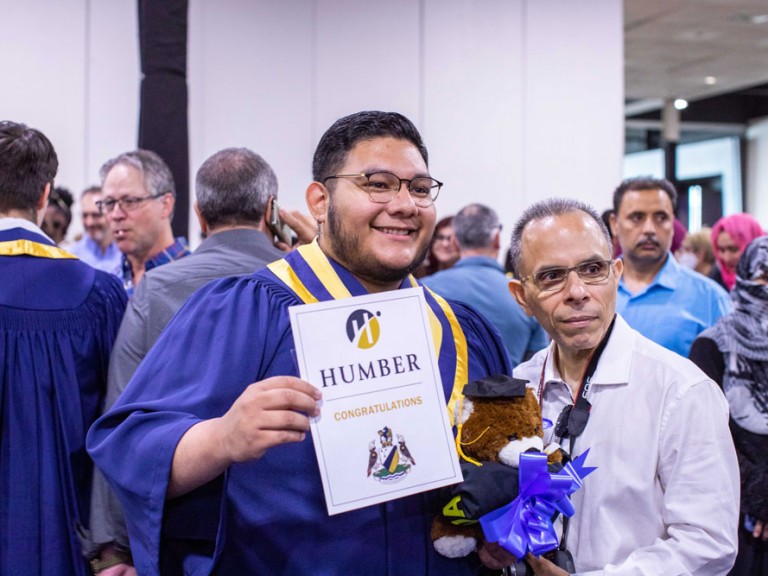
(174, 371)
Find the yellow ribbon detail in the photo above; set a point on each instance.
(461, 375)
(322, 268)
(24, 247)
(459, 443)
(283, 270)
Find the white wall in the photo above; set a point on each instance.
(71, 69)
(517, 100)
(42, 62)
(573, 107)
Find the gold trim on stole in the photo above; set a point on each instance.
(321, 266)
(23, 247)
(461, 374)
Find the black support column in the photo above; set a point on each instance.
(163, 124)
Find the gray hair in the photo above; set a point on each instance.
(233, 187)
(546, 209)
(157, 176)
(475, 225)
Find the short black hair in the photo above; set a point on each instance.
(27, 163)
(644, 183)
(345, 133)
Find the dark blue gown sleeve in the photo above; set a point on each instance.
(232, 333)
(221, 340)
(485, 349)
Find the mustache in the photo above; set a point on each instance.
(648, 241)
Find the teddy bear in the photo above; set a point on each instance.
(499, 419)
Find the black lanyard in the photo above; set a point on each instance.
(573, 418)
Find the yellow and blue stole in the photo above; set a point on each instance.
(314, 277)
(20, 242)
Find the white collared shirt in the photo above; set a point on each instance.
(665, 496)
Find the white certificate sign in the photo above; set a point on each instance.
(383, 432)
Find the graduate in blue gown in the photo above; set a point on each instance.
(58, 321)
(222, 476)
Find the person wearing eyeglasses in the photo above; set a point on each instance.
(664, 498)
(222, 475)
(96, 247)
(658, 297)
(139, 198)
(58, 322)
(233, 188)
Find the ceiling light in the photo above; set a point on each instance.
(681, 104)
(710, 80)
(759, 19)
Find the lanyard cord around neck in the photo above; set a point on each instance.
(573, 419)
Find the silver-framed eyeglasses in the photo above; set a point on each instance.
(127, 204)
(553, 279)
(382, 187)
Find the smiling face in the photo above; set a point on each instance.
(644, 226)
(379, 243)
(578, 315)
(94, 222)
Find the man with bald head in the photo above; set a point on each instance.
(664, 498)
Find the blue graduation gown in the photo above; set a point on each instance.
(266, 516)
(58, 321)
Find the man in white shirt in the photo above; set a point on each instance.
(665, 496)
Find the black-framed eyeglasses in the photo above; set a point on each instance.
(127, 204)
(552, 279)
(382, 187)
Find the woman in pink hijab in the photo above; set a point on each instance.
(730, 235)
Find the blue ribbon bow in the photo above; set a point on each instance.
(526, 523)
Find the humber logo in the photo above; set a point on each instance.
(363, 328)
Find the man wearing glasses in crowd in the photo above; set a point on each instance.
(665, 496)
(139, 197)
(221, 469)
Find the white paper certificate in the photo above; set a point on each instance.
(383, 432)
